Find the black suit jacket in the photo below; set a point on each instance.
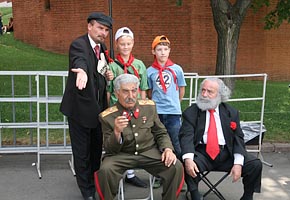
(84, 105)
(193, 126)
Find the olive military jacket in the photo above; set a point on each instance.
(144, 135)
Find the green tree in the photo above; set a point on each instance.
(275, 17)
(228, 17)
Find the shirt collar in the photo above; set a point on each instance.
(217, 111)
(92, 42)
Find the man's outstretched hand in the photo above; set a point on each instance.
(82, 78)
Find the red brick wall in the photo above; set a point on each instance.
(190, 29)
(266, 51)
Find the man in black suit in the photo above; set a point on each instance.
(85, 97)
(231, 153)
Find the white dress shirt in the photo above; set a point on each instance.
(92, 43)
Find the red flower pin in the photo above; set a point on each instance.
(233, 125)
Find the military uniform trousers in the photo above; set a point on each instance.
(113, 167)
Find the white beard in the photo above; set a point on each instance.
(205, 103)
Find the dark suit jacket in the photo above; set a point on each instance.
(193, 126)
(84, 105)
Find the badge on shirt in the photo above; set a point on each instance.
(144, 119)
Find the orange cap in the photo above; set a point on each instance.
(159, 39)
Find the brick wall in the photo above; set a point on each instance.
(190, 29)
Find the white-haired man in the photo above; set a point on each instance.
(211, 139)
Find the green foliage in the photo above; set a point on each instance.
(179, 2)
(275, 17)
(257, 4)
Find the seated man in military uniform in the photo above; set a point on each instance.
(134, 137)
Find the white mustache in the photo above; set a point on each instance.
(205, 103)
(130, 100)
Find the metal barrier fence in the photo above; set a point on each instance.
(40, 122)
(33, 98)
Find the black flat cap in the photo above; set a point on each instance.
(101, 18)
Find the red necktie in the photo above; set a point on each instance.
(97, 51)
(212, 146)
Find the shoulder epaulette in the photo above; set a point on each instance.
(109, 111)
(146, 102)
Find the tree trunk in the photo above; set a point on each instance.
(228, 19)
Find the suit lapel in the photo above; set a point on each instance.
(91, 57)
(225, 122)
(200, 125)
(94, 61)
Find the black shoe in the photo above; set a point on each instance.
(189, 197)
(90, 198)
(247, 197)
(195, 195)
(136, 182)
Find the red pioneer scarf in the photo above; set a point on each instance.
(128, 64)
(168, 63)
(110, 60)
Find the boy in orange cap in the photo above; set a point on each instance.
(166, 84)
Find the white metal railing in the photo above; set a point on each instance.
(191, 97)
(38, 97)
(39, 94)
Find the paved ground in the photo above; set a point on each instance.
(19, 179)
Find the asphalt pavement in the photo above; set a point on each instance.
(19, 179)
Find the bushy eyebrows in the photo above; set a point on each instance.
(128, 90)
(210, 90)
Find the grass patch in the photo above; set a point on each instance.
(15, 55)
(6, 14)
